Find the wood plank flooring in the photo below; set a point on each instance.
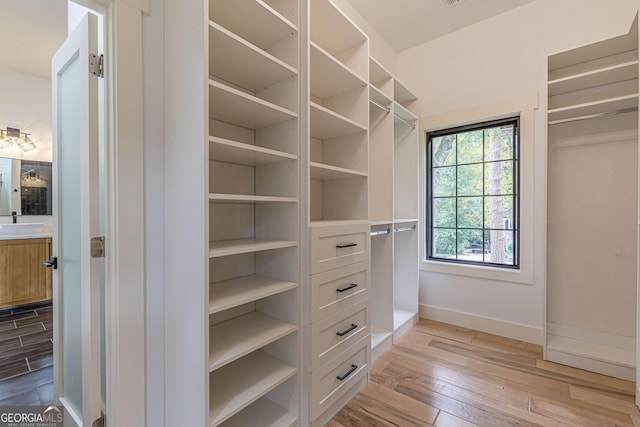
(26, 356)
(443, 375)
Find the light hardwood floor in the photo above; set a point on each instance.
(442, 375)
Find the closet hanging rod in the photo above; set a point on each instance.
(380, 232)
(594, 116)
(400, 229)
(380, 106)
(413, 125)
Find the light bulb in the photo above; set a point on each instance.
(5, 140)
(25, 143)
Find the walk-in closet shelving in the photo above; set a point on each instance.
(393, 208)
(337, 324)
(338, 102)
(593, 183)
(254, 147)
(593, 80)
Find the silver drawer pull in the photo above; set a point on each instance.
(351, 371)
(346, 331)
(348, 245)
(346, 288)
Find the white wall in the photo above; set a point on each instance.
(487, 63)
(26, 104)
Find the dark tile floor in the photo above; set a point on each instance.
(26, 356)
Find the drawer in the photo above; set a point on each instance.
(329, 383)
(334, 246)
(334, 334)
(335, 290)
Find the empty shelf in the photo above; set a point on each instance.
(330, 77)
(253, 20)
(379, 96)
(233, 339)
(262, 412)
(600, 77)
(337, 37)
(225, 150)
(592, 108)
(235, 292)
(247, 59)
(240, 383)
(327, 124)
(249, 198)
(233, 106)
(377, 73)
(324, 172)
(243, 246)
(401, 94)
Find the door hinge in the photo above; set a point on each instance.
(96, 65)
(100, 422)
(97, 247)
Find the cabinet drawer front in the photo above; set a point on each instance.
(351, 366)
(335, 290)
(337, 246)
(334, 334)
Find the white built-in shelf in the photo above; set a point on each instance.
(323, 172)
(262, 412)
(327, 124)
(401, 94)
(329, 76)
(612, 74)
(381, 222)
(332, 30)
(402, 113)
(602, 353)
(401, 317)
(378, 75)
(243, 246)
(234, 106)
(378, 336)
(331, 223)
(247, 59)
(600, 107)
(232, 293)
(261, 25)
(379, 96)
(242, 382)
(249, 198)
(235, 338)
(225, 150)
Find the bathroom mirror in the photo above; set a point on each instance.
(25, 187)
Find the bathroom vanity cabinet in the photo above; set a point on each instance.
(22, 279)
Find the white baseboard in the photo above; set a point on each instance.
(483, 324)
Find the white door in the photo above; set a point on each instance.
(76, 281)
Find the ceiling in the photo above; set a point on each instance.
(408, 23)
(31, 32)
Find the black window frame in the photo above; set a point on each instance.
(429, 229)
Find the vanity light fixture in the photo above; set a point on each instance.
(10, 136)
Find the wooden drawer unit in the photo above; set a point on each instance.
(335, 290)
(22, 279)
(331, 381)
(334, 334)
(334, 246)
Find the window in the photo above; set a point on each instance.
(472, 194)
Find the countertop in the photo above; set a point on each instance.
(26, 236)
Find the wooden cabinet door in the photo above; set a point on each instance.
(22, 279)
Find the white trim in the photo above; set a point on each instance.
(502, 328)
(125, 260)
(595, 337)
(525, 105)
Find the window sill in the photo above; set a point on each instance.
(478, 272)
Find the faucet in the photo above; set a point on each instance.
(15, 217)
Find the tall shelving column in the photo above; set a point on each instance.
(405, 212)
(381, 147)
(592, 177)
(337, 272)
(254, 149)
